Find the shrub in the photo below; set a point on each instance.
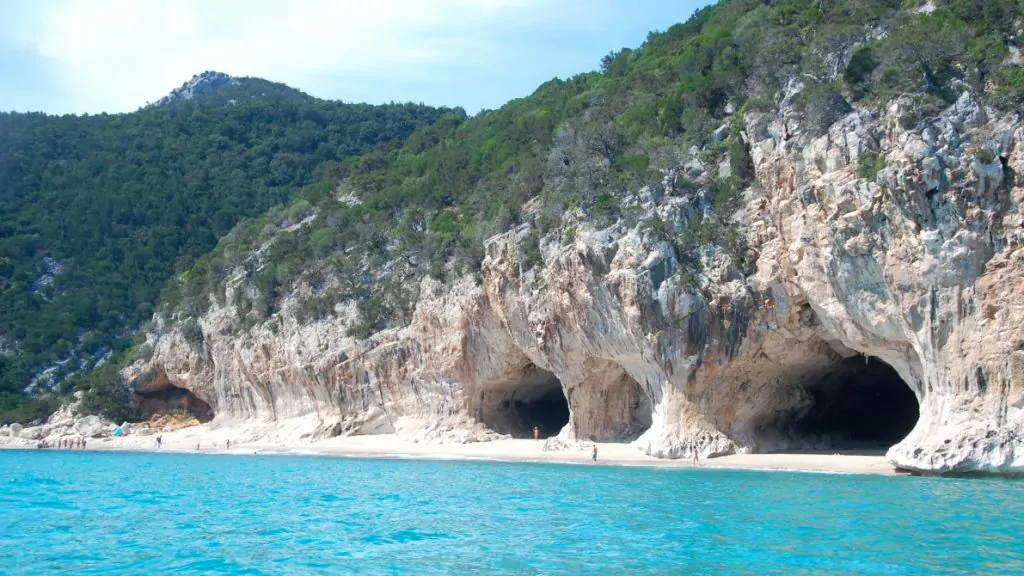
(530, 254)
(984, 155)
(725, 196)
(107, 394)
(1010, 93)
(605, 209)
(857, 73)
(191, 331)
(740, 162)
(15, 408)
(299, 210)
(870, 164)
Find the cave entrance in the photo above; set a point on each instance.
(533, 399)
(858, 404)
(173, 399)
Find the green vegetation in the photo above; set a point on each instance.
(99, 211)
(870, 164)
(580, 144)
(106, 394)
(19, 408)
(364, 229)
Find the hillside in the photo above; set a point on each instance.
(217, 88)
(100, 211)
(777, 226)
(579, 147)
(780, 225)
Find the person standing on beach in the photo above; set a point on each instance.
(159, 441)
(696, 454)
(536, 433)
(229, 443)
(593, 454)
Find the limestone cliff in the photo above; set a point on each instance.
(912, 277)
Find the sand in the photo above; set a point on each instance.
(246, 441)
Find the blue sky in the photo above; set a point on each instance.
(78, 56)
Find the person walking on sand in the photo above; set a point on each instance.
(593, 454)
(159, 441)
(536, 433)
(228, 443)
(696, 454)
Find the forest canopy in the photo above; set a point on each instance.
(99, 211)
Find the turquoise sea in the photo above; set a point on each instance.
(112, 514)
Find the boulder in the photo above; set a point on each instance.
(31, 433)
(14, 430)
(90, 426)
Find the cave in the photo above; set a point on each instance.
(858, 404)
(170, 398)
(533, 398)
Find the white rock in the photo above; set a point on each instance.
(836, 265)
(90, 426)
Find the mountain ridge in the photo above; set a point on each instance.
(217, 88)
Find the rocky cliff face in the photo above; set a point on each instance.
(858, 290)
(198, 86)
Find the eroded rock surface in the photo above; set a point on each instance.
(920, 267)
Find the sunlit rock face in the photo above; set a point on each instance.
(883, 312)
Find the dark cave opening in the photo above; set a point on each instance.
(858, 404)
(535, 399)
(174, 399)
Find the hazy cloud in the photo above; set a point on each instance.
(115, 55)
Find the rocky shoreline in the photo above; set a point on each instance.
(913, 269)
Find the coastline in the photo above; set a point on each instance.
(214, 441)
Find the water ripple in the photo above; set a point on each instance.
(95, 513)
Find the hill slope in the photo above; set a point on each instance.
(779, 225)
(217, 88)
(99, 211)
(582, 143)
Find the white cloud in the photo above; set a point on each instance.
(115, 55)
(121, 53)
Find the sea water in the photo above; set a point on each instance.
(112, 514)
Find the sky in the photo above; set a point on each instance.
(91, 56)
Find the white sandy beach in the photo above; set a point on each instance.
(203, 439)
